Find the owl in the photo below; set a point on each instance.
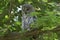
(27, 19)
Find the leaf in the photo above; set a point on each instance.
(17, 23)
(34, 13)
(6, 16)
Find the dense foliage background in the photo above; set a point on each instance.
(47, 12)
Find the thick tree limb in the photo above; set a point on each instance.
(34, 32)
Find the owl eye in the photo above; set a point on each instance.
(27, 9)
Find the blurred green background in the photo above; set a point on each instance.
(47, 12)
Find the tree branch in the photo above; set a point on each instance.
(34, 32)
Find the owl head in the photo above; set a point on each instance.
(27, 8)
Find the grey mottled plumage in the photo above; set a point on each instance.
(27, 19)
